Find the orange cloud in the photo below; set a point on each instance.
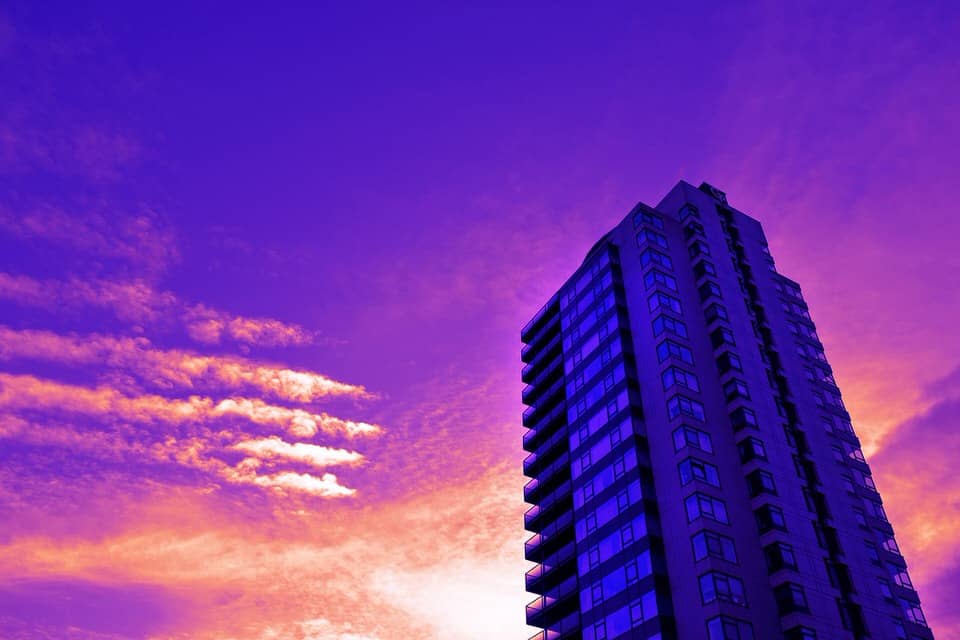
(318, 456)
(178, 367)
(311, 574)
(24, 392)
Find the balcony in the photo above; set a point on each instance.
(549, 396)
(538, 318)
(541, 544)
(535, 343)
(539, 512)
(558, 599)
(529, 372)
(542, 382)
(536, 578)
(568, 628)
(547, 478)
(544, 428)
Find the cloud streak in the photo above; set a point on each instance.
(171, 367)
(273, 448)
(29, 393)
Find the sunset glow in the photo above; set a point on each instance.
(262, 278)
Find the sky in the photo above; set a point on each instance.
(263, 271)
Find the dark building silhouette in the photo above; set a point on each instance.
(694, 471)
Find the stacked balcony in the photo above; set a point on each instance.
(548, 492)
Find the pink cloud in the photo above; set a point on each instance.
(176, 367)
(318, 456)
(24, 392)
(210, 326)
(138, 301)
(139, 239)
(325, 486)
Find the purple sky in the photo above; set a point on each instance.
(262, 275)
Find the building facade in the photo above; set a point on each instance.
(694, 473)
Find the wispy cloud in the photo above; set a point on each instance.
(139, 239)
(315, 455)
(29, 393)
(172, 367)
(137, 301)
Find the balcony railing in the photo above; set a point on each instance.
(537, 510)
(539, 541)
(537, 317)
(534, 343)
(545, 355)
(538, 607)
(539, 384)
(569, 627)
(549, 396)
(544, 477)
(558, 559)
(544, 426)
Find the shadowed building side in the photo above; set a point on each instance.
(694, 472)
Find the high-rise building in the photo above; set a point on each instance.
(694, 471)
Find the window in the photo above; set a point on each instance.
(742, 417)
(751, 449)
(760, 481)
(700, 505)
(692, 229)
(790, 597)
(704, 268)
(695, 469)
(860, 517)
(655, 277)
(729, 361)
(801, 633)
(913, 611)
(698, 248)
(779, 556)
(670, 349)
(716, 311)
(709, 543)
(878, 511)
(688, 210)
(856, 454)
(727, 628)
(661, 300)
(884, 587)
(890, 545)
(681, 405)
(770, 517)
(734, 389)
(721, 336)
(687, 436)
(872, 552)
(648, 236)
(652, 256)
(900, 630)
(677, 376)
(708, 289)
(720, 586)
(670, 325)
(900, 576)
(646, 217)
